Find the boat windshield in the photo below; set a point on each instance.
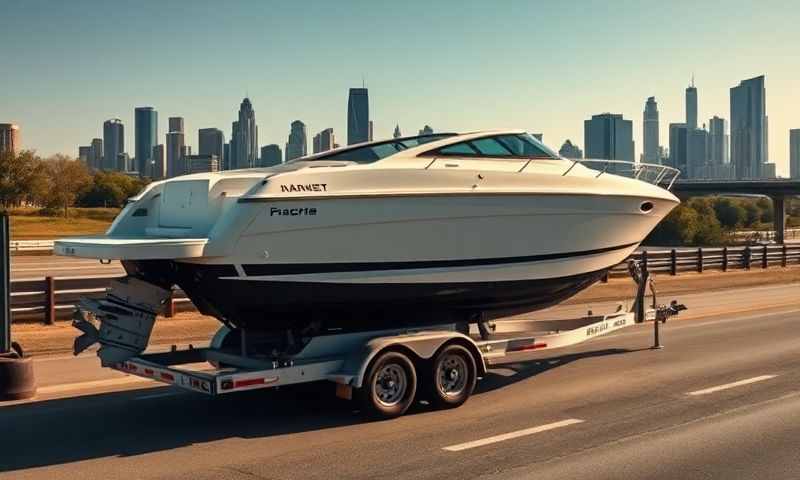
(498, 146)
(375, 151)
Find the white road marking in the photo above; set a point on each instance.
(512, 435)
(67, 387)
(746, 381)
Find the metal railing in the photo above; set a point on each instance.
(660, 175)
(31, 245)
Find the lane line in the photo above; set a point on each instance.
(746, 381)
(512, 435)
(67, 387)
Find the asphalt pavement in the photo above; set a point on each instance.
(720, 401)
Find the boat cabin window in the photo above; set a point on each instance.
(375, 151)
(514, 146)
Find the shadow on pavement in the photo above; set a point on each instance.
(54, 432)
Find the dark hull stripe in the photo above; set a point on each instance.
(302, 268)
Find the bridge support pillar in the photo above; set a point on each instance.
(779, 220)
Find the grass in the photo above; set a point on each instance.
(33, 224)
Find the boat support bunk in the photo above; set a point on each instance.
(386, 369)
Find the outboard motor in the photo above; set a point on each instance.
(126, 317)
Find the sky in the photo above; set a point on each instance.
(544, 66)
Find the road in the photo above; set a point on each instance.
(24, 267)
(722, 400)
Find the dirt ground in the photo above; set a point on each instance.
(190, 327)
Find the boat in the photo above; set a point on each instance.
(407, 231)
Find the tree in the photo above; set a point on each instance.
(765, 206)
(678, 228)
(17, 173)
(110, 189)
(729, 213)
(752, 214)
(68, 178)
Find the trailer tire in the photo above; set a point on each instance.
(389, 387)
(451, 377)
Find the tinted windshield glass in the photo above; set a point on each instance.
(491, 147)
(521, 146)
(376, 151)
(524, 146)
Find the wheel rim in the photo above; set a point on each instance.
(390, 385)
(451, 375)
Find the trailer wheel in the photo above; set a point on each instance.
(452, 377)
(389, 386)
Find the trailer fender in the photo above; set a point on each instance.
(422, 346)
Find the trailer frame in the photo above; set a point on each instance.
(346, 358)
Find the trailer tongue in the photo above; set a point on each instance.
(385, 369)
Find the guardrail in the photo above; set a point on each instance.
(50, 299)
(31, 245)
(677, 260)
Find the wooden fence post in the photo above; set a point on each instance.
(673, 262)
(748, 257)
(169, 312)
(700, 260)
(783, 255)
(49, 301)
(764, 257)
(724, 259)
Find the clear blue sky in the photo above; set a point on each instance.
(543, 66)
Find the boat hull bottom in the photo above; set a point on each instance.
(281, 305)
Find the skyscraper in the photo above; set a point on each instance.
(158, 167)
(174, 147)
(370, 131)
(211, 141)
(296, 147)
(244, 137)
(96, 154)
(749, 127)
(426, 130)
(113, 142)
(226, 156)
(678, 145)
(569, 150)
(718, 153)
(397, 133)
(83, 154)
(315, 143)
(270, 155)
(794, 153)
(650, 131)
(146, 136)
(9, 137)
(691, 106)
(696, 153)
(176, 124)
(324, 141)
(357, 116)
(201, 163)
(608, 136)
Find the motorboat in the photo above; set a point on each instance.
(407, 231)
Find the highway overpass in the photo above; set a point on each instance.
(779, 190)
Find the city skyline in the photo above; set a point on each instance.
(447, 90)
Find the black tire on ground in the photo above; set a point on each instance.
(389, 386)
(451, 377)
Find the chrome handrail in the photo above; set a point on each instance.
(661, 174)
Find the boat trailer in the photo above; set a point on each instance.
(386, 369)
